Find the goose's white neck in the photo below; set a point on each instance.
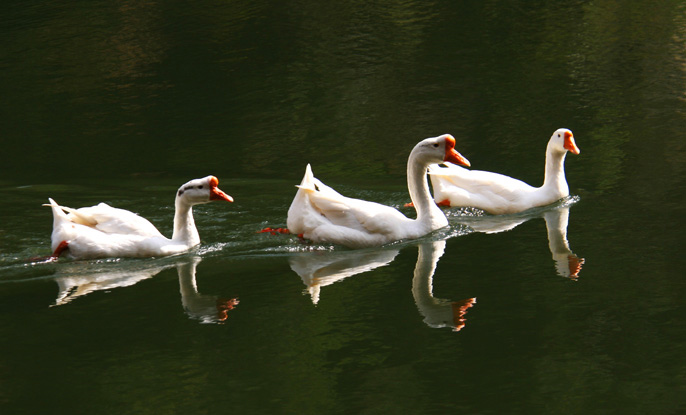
(184, 225)
(428, 213)
(555, 172)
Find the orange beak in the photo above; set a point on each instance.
(452, 155)
(216, 193)
(570, 145)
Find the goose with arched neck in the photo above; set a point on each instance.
(322, 215)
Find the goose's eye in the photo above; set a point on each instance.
(200, 187)
(558, 134)
(435, 145)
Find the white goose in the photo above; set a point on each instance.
(321, 214)
(499, 194)
(103, 231)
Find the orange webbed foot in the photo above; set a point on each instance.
(274, 231)
(63, 246)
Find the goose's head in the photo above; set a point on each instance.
(201, 191)
(438, 150)
(562, 140)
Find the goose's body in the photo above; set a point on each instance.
(102, 231)
(321, 214)
(499, 194)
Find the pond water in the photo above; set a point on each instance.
(572, 308)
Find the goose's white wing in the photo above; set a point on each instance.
(322, 214)
(110, 220)
(492, 192)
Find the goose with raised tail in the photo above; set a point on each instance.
(321, 214)
(102, 231)
(499, 194)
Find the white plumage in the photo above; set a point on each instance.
(321, 214)
(102, 231)
(498, 194)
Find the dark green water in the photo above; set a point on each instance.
(124, 101)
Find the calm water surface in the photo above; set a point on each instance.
(573, 308)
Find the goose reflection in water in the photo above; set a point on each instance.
(437, 312)
(319, 269)
(206, 308)
(567, 263)
(79, 279)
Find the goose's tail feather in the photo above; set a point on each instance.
(69, 214)
(308, 182)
